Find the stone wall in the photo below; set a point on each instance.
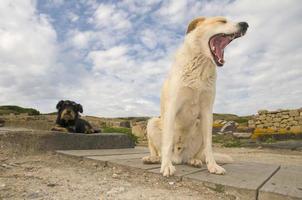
(280, 121)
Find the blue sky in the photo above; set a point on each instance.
(112, 56)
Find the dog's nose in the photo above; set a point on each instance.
(243, 26)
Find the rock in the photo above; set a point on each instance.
(242, 134)
(262, 111)
(229, 127)
(293, 113)
(2, 122)
(276, 119)
(215, 130)
(299, 118)
(114, 176)
(139, 129)
(51, 184)
(125, 124)
(262, 117)
(251, 122)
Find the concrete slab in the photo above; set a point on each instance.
(103, 152)
(118, 157)
(242, 179)
(26, 140)
(284, 185)
(135, 163)
(182, 170)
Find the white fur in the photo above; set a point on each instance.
(183, 133)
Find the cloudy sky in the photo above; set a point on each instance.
(112, 56)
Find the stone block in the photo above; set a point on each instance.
(293, 113)
(286, 184)
(241, 179)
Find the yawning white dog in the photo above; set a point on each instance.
(183, 132)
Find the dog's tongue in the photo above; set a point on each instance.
(218, 44)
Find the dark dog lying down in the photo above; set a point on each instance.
(68, 119)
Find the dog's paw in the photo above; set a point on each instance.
(216, 169)
(151, 160)
(60, 129)
(167, 170)
(195, 163)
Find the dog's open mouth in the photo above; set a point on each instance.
(218, 42)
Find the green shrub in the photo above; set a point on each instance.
(5, 110)
(227, 140)
(123, 130)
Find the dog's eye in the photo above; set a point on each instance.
(223, 21)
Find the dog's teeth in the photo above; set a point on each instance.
(213, 48)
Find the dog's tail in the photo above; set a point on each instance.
(223, 158)
(154, 126)
(154, 130)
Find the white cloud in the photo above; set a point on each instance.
(114, 58)
(263, 67)
(149, 38)
(80, 39)
(72, 17)
(27, 53)
(174, 11)
(110, 17)
(115, 64)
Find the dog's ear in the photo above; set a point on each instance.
(59, 105)
(80, 108)
(193, 24)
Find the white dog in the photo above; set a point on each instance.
(183, 133)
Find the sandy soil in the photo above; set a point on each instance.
(49, 176)
(267, 156)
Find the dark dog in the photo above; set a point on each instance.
(68, 119)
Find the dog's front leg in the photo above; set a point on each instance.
(206, 126)
(59, 128)
(167, 169)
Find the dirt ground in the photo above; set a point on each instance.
(49, 176)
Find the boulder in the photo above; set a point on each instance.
(139, 129)
(125, 124)
(2, 122)
(293, 113)
(229, 127)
